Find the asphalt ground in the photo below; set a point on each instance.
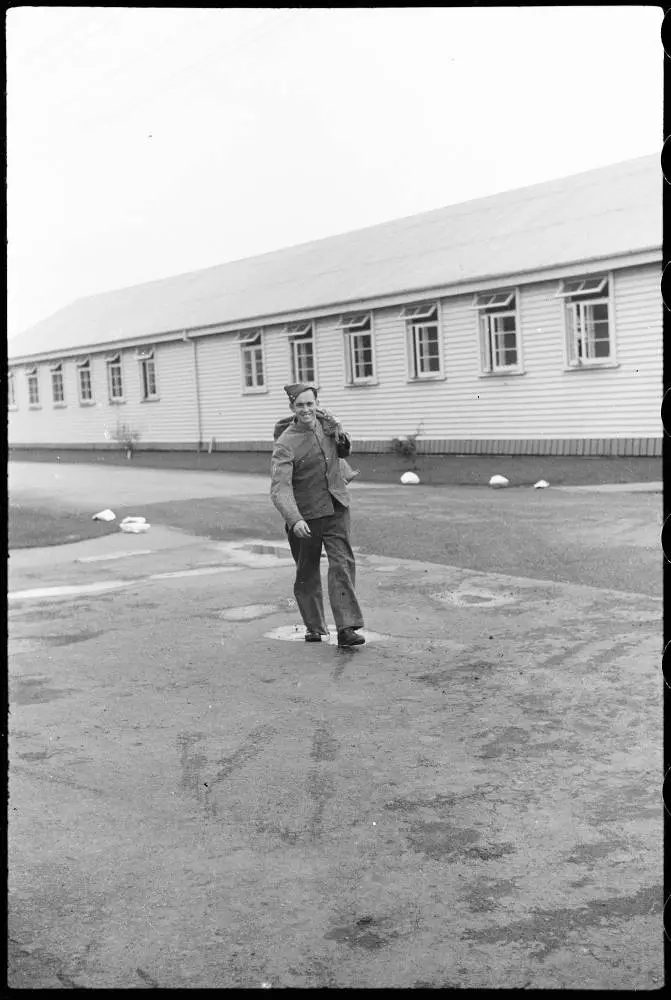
(470, 800)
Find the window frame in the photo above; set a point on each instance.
(355, 325)
(57, 369)
(577, 299)
(115, 361)
(489, 306)
(11, 391)
(251, 342)
(301, 333)
(85, 365)
(33, 373)
(144, 356)
(417, 317)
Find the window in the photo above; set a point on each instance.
(33, 387)
(359, 359)
(251, 353)
(498, 332)
(84, 381)
(11, 391)
(587, 315)
(57, 391)
(147, 374)
(301, 338)
(114, 378)
(423, 337)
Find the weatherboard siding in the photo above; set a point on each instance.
(170, 418)
(462, 411)
(229, 413)
(546, 401)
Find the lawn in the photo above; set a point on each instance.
(596, 540)
(31, 527)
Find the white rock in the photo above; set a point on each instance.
(541, 485)
(134, 525)
(409, 479)
(498, 481)
(104, 515)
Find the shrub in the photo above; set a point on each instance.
(406, 444)
(127, 438)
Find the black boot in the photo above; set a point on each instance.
(348, 637)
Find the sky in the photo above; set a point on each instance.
(147, 142)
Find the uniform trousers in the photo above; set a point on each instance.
(331, 532)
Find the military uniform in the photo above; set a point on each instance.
(308, 485)
(331, 426)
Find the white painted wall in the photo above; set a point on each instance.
(547, 401)
(171, 418)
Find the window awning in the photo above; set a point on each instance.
(297, 330)
(429, 310)
(249, 337)
(582, 286)
(493, 300)
(356, 321)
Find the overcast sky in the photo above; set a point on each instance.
(149, 142)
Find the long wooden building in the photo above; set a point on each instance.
(528, 322)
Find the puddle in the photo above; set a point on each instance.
(200, 571)
(296, 633)
(248, 611)
(268, 549)
(114, 555)
(73, 591)
(472, 598)
(256, 553)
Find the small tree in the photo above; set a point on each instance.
(406, 444)
(127, 438)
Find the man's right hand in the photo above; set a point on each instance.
(301, 529)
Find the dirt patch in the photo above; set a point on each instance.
(324, 744)
(587, 854)
(484, 894)
(34, 691)
(547, 930)
(366, 932)
(440, 840)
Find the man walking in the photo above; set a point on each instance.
(310, 493)
(331, 427)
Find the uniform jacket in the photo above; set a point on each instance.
(305, 473)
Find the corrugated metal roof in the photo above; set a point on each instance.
(606, 212)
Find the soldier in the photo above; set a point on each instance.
(310, 492)
(331, 427)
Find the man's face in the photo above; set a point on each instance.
(305, 407)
